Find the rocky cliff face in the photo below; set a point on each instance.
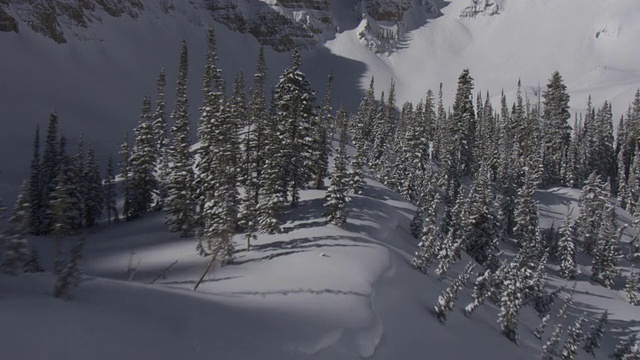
(281, 24)
(52, 17)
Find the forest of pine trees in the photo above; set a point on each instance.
(472, 171)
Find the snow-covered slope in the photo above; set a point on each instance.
(314, 292)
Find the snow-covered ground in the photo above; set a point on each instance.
(315, 292)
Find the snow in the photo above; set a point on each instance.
(314, 292)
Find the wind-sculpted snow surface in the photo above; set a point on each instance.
(314, 292)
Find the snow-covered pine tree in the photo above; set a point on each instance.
(430, 236)
(574, 338)
(94, 196)
(526, 218)
(321, 144)
(218, 165)
(49, 171)
(143, 164)
(606, 252)
(180, 203)
(35, 188)
(596, 331)
(159, 125)
(479, 226)
(631, 287)
(415, 226)
(556, 130)
(481, 291)
(109, 191)
(592, 203)
(336, 199)
(448, 252)
(511, 298)
(539, 330)
(295, 111)
(271, 200)
(567, 248)
(627, 349)
(462, 124)
(64, 205)
(356, 174)
(16, 251)
(125, 175)
(447, 299)
(69, 278)
(550, 349)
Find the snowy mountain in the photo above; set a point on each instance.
(93, 61)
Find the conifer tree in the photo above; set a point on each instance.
(218, 165)
(109, 191)
(447, 299)
(93, 197)
(322, 138)
(567, 248)
(627, 349)
(550, 349)
(295, 111)
(526, 217)
(555, 128)
(125, 174)
(430, 235)
(592, 340)
(180, 203)
(591, 203)
(539, 331)
(631, 287)
(159, 125)
(70, 277)
(479, 225)
(462, 124)
(36, 188)
(356, 174)
(574, 338)
(605, 259)
(49, 171)
(336, 198)
(511, 299)
(255, 137)
(16, 253)
(481, 291)
(143, 164)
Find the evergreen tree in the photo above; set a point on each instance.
(462, 124)
(125, 175)
(255, 140)
(510, 302)
(481, 291)
(322, 138)
(218, 164)
(550, 348)
(605, 259)
(93, 197)
(109, 191)
(70, 277)
(627, 349)
(479, 226)
(447, 299)
(430, 235)
(295, 112)
(591, 202)
(526, 217)
(159, 125)
(595, 334)
(336, 198)
(574, 338)
(143, 164)
(16, 252)
(180, 203)
(48, 172)
(539, 331)
(36, 188)
(555, 128)
(631, 287)
(567, 248)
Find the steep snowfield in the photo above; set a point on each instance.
(593, 43)
(314, 292)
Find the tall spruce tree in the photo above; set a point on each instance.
(322, 135)
(462, 124)
(143, 164)
(596, 331)
(556, 130)
(109, 191)
(180, 204)
(36, 188)
(49, 171)
(336, 198)
(93, 191)
(125, 175)
(567, 248)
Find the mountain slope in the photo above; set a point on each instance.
(315, 292)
